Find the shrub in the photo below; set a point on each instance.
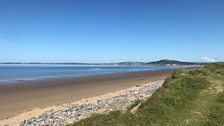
(201, 71)
(214, 67)
(177, 73)
(221, 72)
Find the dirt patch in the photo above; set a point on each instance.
(135, 109)
(217, 87)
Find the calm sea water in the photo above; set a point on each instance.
(9, 73)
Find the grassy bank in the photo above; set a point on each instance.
(188, 97)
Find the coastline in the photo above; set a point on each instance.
(16, 99)
(72, 112)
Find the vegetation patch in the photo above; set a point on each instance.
(216, 117)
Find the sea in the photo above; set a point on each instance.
(23, 72)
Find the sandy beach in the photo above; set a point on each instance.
(28, 95)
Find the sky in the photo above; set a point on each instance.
(111, 30)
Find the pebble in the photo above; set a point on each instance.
(74, 111)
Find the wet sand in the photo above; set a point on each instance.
(28, 95)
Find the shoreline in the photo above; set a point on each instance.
(72, 112)
(78, 76)
(45, 93)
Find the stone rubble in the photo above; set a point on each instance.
(74, 112)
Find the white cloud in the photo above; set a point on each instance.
(207, 59)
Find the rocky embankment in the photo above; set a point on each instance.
(120, 100)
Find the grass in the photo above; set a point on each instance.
(216, 117)
(187, 98)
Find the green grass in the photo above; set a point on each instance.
(164, 107)
(187, 98)
(216, 117)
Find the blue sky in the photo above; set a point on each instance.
(111, 30)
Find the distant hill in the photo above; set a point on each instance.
(160, 62)
(163, 62)
(172, 62)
